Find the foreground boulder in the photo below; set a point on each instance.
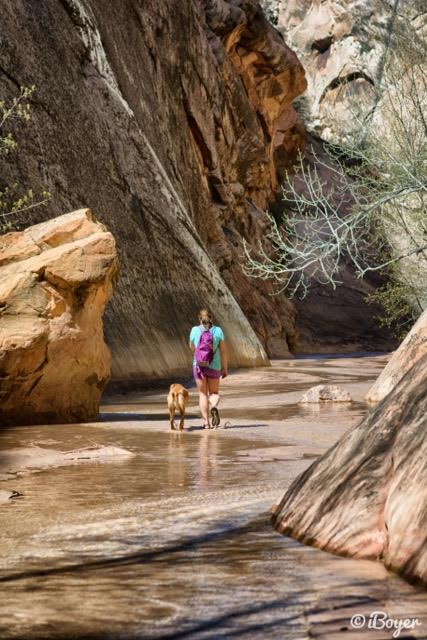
(55, 279)
(412, 349)
(367, 496)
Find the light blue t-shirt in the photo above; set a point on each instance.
(217, 335)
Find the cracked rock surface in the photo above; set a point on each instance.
(344, 46)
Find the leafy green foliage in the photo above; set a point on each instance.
(398, 315)
(13, 200)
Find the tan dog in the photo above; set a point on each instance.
(177, 403)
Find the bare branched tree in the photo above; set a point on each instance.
(365, 201)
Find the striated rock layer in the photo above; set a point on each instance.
(171, 119)
(55, 279)
(367, 496)
(413, 347)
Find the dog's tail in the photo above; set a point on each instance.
(179, 399)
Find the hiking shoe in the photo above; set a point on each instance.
(215, 417)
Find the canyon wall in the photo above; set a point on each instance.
(170, 121)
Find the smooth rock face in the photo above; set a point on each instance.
(55, 279)
(343, 46)
(413, 347)
(367, 496)
(326, 393)
(171, 120)
(25, 460)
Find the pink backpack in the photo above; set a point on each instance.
(204, 351)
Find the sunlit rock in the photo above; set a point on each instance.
(343, 46)
(55, 279)
(172, 120)
(326, 393)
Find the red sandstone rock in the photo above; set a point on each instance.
(171, 119)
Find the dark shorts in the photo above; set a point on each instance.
(207, 372)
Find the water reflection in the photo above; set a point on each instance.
(207, 460)
(177, 460)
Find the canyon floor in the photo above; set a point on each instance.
(174, 541)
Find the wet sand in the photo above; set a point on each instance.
(175, 541)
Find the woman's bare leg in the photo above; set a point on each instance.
(203, 390)
(213, 388)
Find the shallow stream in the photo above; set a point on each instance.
(175, 541)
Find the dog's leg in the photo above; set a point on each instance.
(171, 407)
(181, 405)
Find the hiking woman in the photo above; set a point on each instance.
(209, 365)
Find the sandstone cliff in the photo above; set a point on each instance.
(169, 119)
(366, 497)
(55, 279)
(344, 47)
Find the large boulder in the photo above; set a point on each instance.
(55, 279)
(367, 496)
(171, 119)
(413, 347)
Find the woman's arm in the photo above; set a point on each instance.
(224, 358)
(191, 340)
